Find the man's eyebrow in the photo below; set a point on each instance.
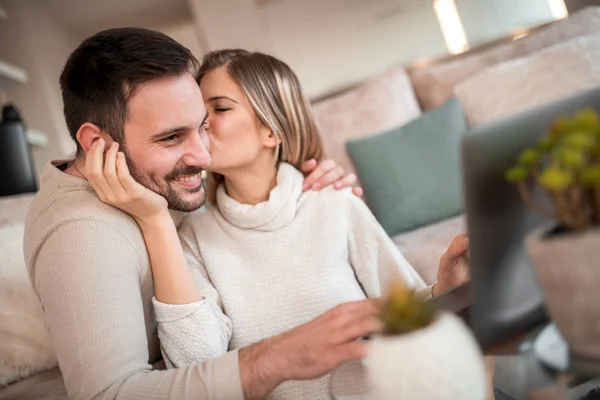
(172, 131)
(221, 98)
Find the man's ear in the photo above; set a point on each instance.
(88, 133)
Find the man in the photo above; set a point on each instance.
(88, 262)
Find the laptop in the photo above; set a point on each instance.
(505, 297)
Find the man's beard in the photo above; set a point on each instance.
(165, 188)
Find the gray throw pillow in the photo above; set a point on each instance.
(411, 175)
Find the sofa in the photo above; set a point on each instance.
(365, 128)
(556, 61)
(444, 98)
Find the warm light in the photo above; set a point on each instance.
(519, 33)
(519, 36)
(558, 9)
(452, 27)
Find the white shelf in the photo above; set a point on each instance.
(37, 138)
(11, 76)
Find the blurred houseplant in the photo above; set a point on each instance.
(566, 257)
(423, 354)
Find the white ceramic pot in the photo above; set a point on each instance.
(439, 362)
(568, 269)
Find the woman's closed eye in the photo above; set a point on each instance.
(222, 109)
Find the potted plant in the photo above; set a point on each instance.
(423, 353)
(566, 256)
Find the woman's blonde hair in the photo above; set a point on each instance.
(275, 95)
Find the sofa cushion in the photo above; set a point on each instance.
(424, 246)
(556, 72)
(47, 385)
(13, 209)
(26, 347)
(411, 175)
(381, 103)
(435, 84)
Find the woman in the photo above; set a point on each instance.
(267, 256)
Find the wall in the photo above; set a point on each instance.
(329, 43)
(343, 42)
(32, 41)
(229, 23)
(184, 32)
(486, 20)
(332, 44)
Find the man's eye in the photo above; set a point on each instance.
(171, 139)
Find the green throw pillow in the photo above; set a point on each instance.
(411, 175)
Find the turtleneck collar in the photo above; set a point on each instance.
(275, 213)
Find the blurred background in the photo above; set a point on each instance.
(331, 44)
(423, 71)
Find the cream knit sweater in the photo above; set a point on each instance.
(268, 268)
(88, 265)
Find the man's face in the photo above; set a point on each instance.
(166, 145)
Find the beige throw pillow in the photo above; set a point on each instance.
(551, 74)
(379, 104)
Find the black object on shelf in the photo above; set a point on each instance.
(17, 170)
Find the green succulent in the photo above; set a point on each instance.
(590, 177)
(516, 174)
(587, 119)
(579, 140)
(560, 127)
(403, 311)
(569, 161)
(529, 157)
(555, 179)
(571, 158)
(545, 145)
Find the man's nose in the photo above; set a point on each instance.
(196, 151)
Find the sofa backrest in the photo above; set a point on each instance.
(556, 72)
(435, 84)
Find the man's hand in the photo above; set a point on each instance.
(310, 350)
(321, 174)
(453, 269)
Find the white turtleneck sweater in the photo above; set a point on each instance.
(266, 269)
